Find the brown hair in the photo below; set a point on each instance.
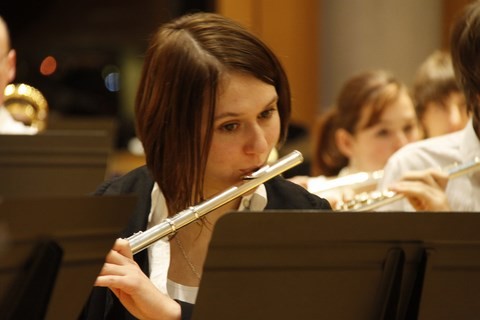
(375, 89)
(175, 103)
(465, 51)
(434, 81)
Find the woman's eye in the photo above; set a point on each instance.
(382, 133)
(408, 128)
(267, 113)
(229, 127)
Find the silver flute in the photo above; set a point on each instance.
(143, 239)
(376, 199)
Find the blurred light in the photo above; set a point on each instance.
(112, 81)
(48, 66)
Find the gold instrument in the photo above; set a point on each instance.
(26, 104)
(169, 226)
(369, 201)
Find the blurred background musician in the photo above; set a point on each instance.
(8, 125)
(439, 102)
(423, 186)
(373, 117)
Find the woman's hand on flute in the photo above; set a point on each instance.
(425, 190)
(133, 288)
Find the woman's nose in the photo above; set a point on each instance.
(400, 140)
(256, 140)
(455, 118)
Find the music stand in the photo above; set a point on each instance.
(56, 162)
(342, 265)
(104, 123)
(55, 249)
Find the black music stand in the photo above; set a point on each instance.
(56, 162)
(342, 265)
(55, 249)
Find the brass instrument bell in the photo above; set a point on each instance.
(26, 104)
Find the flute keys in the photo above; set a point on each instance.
(364, 199)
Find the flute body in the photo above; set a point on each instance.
(144, 239)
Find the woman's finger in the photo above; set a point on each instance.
(431, 177)
(423, 196)
(123, 247)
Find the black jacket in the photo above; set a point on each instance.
(102, 304)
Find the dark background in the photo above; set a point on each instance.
(85, 37)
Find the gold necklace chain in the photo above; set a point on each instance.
(187, 259)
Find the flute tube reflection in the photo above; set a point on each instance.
(144, 239)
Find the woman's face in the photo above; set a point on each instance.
(246, 128)
(7, 60)
(370, 148)
(449, 116)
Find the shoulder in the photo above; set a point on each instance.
(433, 152)
(135, 181)
(138, 182)
(284, 194)
(8, 125)
(436, 152)
(441, 145)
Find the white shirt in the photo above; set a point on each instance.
(159, 252)
(8, 125)
(463, 192)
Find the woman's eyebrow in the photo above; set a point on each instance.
(236, 114)
(226, 115)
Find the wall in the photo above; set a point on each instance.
(324, 42)
(355, 35)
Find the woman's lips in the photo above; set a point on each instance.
(247, 174)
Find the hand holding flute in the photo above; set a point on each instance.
(425, 190)
(134, 288)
